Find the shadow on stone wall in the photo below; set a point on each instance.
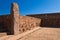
(4, 23)
(53, 23)
(48, 20)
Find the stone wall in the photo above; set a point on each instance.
(9, 25)
(28, 23)
(50, 23)
(48, 20)
(4, 23)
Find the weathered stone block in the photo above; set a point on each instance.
(15, 19)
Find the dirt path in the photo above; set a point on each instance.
(43, 34)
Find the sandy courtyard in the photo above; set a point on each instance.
(43, 34)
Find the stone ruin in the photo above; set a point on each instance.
(15, 23)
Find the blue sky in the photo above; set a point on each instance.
(31, 6)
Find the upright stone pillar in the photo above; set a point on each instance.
(14, 19)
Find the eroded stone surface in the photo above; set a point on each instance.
(15, 19)
(28, 23)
